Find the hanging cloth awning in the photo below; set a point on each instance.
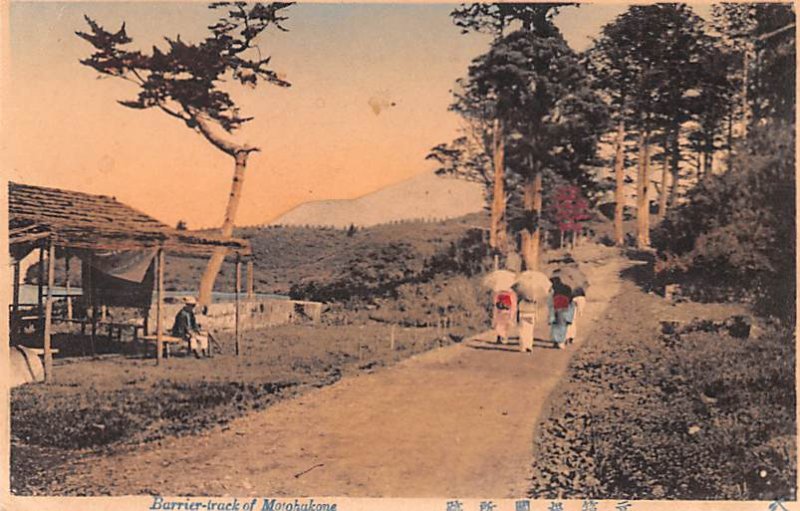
(118, 278)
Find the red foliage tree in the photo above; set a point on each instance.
(569, 209)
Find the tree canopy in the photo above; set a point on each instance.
(495, 18)
(184, 80)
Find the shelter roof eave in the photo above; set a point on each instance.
(95, 222)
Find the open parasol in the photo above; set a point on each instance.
(572, 277)
(533, 285)
(499, 280)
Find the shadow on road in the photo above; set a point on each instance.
(512, 347)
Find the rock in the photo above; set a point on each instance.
(707, 399)
(694, 429)
(739, 326)
(669, 327)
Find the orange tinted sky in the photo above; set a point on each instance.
(320, 138)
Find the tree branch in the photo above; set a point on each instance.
(228, 147)
(173, 113)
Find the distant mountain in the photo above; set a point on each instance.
(423, 197)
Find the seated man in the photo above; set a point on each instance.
(186, 327)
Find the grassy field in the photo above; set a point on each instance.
(118, 402)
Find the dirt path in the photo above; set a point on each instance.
(457, 421)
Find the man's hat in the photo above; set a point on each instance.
(189, 300)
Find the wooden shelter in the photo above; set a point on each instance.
(48, 219)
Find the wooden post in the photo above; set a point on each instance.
(67, 285)
(15, 299)
(93, 337)
(159, 306)
(391, 340)
(48, 311)
(92, 302)
(238, 290)
(40, 288)
(250, 280)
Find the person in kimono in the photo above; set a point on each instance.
(504, 314)
(527, 319)
(561, 312)
(578, 304)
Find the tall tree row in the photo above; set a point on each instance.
(545, 117)
(678, 89)
(648, 62)
(658, 70)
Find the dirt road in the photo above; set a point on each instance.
(457, 421)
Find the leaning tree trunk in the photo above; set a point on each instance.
(619, 192)
(532, 201)
(498, 238)
(218, 257)
(642, 199)
(239, 153)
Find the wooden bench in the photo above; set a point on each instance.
(37, 351)
(167, 340)
(25, 316)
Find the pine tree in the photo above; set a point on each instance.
(184, 82)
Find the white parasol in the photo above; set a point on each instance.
(572, 277)
(533, 285)
(499, 280)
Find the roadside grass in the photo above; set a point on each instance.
(120, 402)
(702, 415)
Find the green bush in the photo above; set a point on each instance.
(384, 269)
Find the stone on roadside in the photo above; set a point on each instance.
(739, 326)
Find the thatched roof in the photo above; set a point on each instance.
(84, 221)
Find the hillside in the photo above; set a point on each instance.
(426, 196)
(285, 256)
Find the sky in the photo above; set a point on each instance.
(320, 138)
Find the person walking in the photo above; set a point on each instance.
(505, 314)
(578, 304)
(561, 309)
(527, 320)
